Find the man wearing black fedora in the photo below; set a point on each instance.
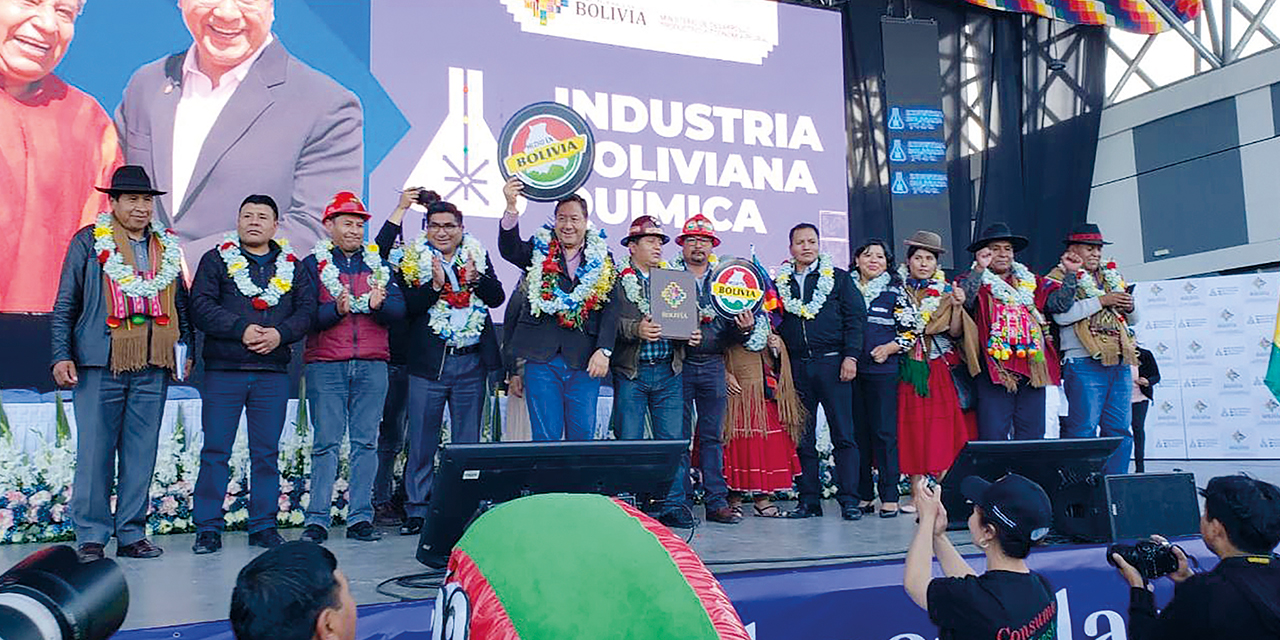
(1097, 346)
(1010, 305)
(118, 318)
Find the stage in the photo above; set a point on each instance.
(816, 578)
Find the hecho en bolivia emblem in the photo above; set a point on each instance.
(736, 286)
(550, 147)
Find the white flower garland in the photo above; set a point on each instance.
(418, 256)
(631, 286)
(1024, 294)
(596, 278)
(1110, 275)
(379, 274)
(934, 292)
(873, 288)
(238, 269)
(125, 275)
(440, 313)
(759, 334)
(706, 313)
(826, 282)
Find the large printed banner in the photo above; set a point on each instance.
(1211, 338)
(730, 108)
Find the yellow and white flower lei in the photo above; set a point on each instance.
(125, 275)
(597, 278)
(826, 282)
(379, 274)
(1024, 294)
(631, 287)
(416, 263)
(440, 316)
(1112, 278)
(238, 269)
(931, 303)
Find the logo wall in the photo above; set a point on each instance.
(1207, 335)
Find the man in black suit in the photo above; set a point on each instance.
(565, 332)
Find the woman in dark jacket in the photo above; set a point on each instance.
(1146, 375)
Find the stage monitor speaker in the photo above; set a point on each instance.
(1143, 504)
(472, 477)
(1070, 471)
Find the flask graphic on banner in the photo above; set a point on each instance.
(459, 162)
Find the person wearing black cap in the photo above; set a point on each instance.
(1009, 517)
(1239, 598)
(1010, 305)
(120, 310)
(1098, 347)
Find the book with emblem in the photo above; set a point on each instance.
(673, 298)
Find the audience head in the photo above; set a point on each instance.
(804, 244)
(1241, 514)
(873, 258)
(293, 592)
(571, 221)
(1009, 515)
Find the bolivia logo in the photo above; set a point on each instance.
(736, 286)
(673, 295)
(550, 147)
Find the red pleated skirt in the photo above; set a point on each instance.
(932, 430)
(762, 464)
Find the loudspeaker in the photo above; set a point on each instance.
(1070, 471)
(1143, 504)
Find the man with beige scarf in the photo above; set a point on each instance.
(1097, 346)
(120, 310)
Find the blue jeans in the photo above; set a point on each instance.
(263, 396)
(117, 433)
(461, 386)
(704, 385)
(562, 401)
(391, 432)
(656, 392)
(345, 397)
(1100, 400)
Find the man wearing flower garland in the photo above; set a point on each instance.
(704, 366)
(346, 355)
(1009, 304)
(564, 336)
(823, 320)
(1097, 346)
(449, 285)
(120, 310)
(648, 368)
(252, 308)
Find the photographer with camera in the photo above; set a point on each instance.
(1007, 601)
(1240, 598)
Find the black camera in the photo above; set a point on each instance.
(52, 595)
(426, 198)
(1151, 558)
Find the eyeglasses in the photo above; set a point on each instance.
(446, 226)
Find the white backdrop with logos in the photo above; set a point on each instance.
(1212, 339)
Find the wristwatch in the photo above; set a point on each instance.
(608, 353)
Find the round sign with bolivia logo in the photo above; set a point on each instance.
(736, 286)
(550, 147)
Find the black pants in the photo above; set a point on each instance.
(1140, 434)
(875, 418)
(818, 383)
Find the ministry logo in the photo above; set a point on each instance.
(1239, 437)
(1195, 347)
(1156, 289)
(1233, 375)
(1189, 287)
(1200, 406)
(1166, 407)
(1226, 315)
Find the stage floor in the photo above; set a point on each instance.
(182, 588)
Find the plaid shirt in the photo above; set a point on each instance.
(659, 350)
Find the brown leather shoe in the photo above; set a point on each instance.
(724, 515)
(90, 551)
(140, 549)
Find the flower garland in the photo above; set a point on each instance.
(595, 278)
(126, 276)
(238, 269)
(706, 313)
(1011, 333)
(933, 292)
(873, 288)
(826, 281)
(441, 313)
(759, 334)
(631, 286)
(1110, 275)
(379, 274)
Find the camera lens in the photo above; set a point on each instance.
(50, 595)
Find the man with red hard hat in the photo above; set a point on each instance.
(346, 357)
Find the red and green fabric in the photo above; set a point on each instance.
(557, 566)
(1273, 365)
(1130, 15)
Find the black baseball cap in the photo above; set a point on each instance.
(1013, 503)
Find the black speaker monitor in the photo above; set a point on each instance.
(471, 475)
(1144, 504)
(1070, 471)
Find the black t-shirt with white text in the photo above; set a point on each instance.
(997, 605)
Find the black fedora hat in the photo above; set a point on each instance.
(996, 232)
(130, 178)
(1087, 233)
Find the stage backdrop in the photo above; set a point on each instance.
(730, 108)
(1211, 338)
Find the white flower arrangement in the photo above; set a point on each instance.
(238, 269)
(595, 278)
(826, 282)
(379, 274)
(125, 275)
(631, 287)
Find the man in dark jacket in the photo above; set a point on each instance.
(1239, 598)
(449, 287)
(120, 310)
(823, 318)
(704, 367)
(251, 306)
(346, 358)
(564, 335)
